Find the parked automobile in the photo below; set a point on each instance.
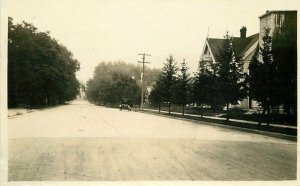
(125, 106)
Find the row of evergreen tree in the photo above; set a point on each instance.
(40, 70)
(214, 84)
(271, 81)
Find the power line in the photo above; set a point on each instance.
(142, 77)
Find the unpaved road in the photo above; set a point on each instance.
(84, 142)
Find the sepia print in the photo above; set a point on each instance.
(154, 91)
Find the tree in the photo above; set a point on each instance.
(114, 82)
(284, 48)
(164, 86)
(40, 70)
(261, 78)
(156, 94)
(229, 72)
(111, 84)
(181, 88)
(168, 80)
(199, 86)
(273, 81)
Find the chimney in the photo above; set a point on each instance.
(243, 31)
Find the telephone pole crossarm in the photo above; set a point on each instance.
(143, 62)
(145, 54)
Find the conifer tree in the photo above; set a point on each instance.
(229, 72)
(261, 79)
(284, 48)
(165, 83)
(181, 88)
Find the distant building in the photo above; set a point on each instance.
(274, 19)
(243, 45)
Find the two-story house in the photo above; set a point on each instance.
(243, 45)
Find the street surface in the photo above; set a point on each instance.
(84, 142)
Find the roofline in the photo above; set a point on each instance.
(243, 51)
(248, 51)
(212, 55)
(207, 44)
(255, 43)
(252, 35)
(275, 11)
(234, 37)
(214, 38)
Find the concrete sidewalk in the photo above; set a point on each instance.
(223, 119)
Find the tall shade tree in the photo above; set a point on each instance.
(112, 83)
(115, 82)
(40, 70)
(229, 72)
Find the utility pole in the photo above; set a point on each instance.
(142, 77)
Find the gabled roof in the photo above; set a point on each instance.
(254, 38)
(240, 45)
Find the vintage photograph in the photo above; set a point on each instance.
(151, 90)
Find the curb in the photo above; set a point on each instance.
(254, 131)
